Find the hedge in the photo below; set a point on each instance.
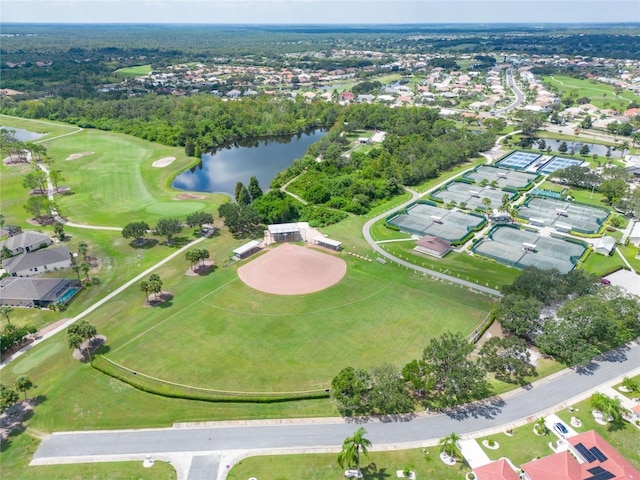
(166, 389)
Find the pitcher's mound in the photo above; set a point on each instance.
(293, 270)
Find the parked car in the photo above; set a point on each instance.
(605, 281)
(352, 473)
(560, 428)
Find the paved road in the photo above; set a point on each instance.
(497, 414)
(517, 92)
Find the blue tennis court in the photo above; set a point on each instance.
(556, 163)
(518, 160)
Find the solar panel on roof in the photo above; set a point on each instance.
(585, 453)
(601, 457)
(599, 473)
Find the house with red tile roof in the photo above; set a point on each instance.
(589, 457)
(499, 470)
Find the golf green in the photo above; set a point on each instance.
(174, 208)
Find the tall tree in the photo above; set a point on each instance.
(22, 384)
(135, 230)
(83, 249)
(350, 391)
(79, 332)
(449, 444)
(168, 227)
(144, 287)
(508, 358)
(351, 448)
(452, 376)
(243, 198)
(197, 219)
(254, 189)
(8, 398)
(5, 310)
(58, 229)
(155, 284)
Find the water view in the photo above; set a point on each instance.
(220, 171)
(23, 135)
(576, 146)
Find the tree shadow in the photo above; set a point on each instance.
(162, 300)
(144, 243)
(488, 409)
(372, 472)
(177, 242)
(204, 270)
(617, 355)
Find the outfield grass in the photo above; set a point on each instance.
(600, 94)
(376, 465)
(136, 71)
(15, 466)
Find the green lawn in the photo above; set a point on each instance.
(377, 465)
(136, 71)
(600, 94)
(52, 129)
(520, 448)
(630, 253)
(602, 264)
(15, 466)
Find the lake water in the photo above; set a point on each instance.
(220, 171)
(23, 135)
(593, 148)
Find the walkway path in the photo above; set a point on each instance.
(283, 188)
(100, 302)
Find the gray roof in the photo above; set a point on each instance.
(45, 256)
(19, 288)
(23, 239)
(284, 228)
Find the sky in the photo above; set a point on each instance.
(319, 11)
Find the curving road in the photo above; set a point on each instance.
(516, 91)
(251, 438)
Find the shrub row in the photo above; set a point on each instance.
(165, 389)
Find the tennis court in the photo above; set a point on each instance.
(518, 160)
(521, 248)
(558, 213)
(503, 176)
(423, 219)
(556, 163)
(472, 195)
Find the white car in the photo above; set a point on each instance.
(352, 473)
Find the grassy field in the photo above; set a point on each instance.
(16, 466)
(600, 94)
(137, 71)
(377, 465)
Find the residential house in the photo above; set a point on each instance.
(37, 292)
(499, 470)
(589, 457)
(25, 242)
(40, 261)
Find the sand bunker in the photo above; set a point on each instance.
(75, 156)
(293, 270)
(163, 162)
(189, 196)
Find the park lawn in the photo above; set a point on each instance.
(462, 265)
(600, 94)
(376, 465)
(601, 265)
(16, 455)
(524, 446)
(380, 232)
(625, 440)
(135, 71)
(630, 253)
(300, 342)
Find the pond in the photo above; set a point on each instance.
(219, 171)
(576, 146)
(23, 135)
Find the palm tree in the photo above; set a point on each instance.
(85, 269)
(541, 426)
(203, 254)
(5, 310)
(155, 285)
(611, 408)
(78, 333)
(351, 448)
(83, 248)
(22, 384)
(449, 444)
(192, 257)
(145, 287)
(76, 268)
(74, 340)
